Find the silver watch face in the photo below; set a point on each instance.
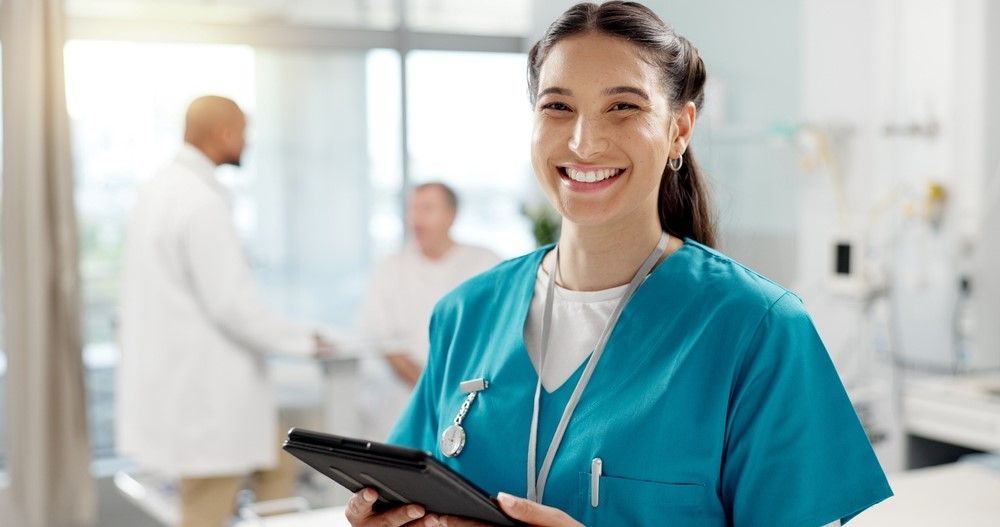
(452, 441)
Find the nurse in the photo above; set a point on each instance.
(631, 375)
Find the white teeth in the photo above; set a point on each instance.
(591, 176)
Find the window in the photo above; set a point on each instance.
(308, 181)
(304, 188)
(385, 149)
(469, 126)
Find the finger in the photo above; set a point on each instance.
(533, 513)
(397, 517)
(359, 511)
(456, 521)
(359, 507)
(430, 520)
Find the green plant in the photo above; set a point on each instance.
(545, 222)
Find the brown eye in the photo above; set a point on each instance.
(557, 106)
(623, 106)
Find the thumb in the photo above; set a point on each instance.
(532, 513)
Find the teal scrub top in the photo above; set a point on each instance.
(715, 403)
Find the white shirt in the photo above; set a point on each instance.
(194, 397)
(397, 310)
(404, 289)
(578, 318)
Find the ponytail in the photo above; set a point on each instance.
(683, 204)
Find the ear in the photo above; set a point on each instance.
(682, 128)
(221, 133)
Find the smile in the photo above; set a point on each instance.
(590, 176)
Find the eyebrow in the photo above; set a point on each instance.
(610, 91)
(627, 89)
(555, 90)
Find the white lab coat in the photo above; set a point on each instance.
(194, 397)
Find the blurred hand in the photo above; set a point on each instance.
(405, 367)
(360, 514)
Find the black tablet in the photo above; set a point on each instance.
(400, 475)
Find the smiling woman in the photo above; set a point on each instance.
(600, 152)
(671, 384)
(660, 95)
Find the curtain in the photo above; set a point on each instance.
(48, 445)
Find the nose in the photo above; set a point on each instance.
(588, 140)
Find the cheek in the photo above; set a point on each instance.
(541, 149)
(541, 136)
(550, 137)
(649, 144)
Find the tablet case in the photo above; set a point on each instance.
(400, 475)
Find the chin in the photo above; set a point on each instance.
(588, 214)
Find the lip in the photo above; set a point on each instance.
(579, 186)
(585, 168)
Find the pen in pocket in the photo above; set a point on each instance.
(596, 467)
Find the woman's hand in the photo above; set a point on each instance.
(360, 513)
(522, 510)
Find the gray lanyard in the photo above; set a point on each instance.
(536, 488)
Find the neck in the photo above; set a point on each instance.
(597, 257)
(209, 152)
(437, 248)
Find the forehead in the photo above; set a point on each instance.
(428, 194)
(598, 61)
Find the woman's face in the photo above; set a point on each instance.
(603, 130)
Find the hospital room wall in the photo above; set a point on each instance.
(846, 82)
(920, 65)
(751, 99)
(846, 74)
(901, 89)
(857, 74)
(839, 90)
(987, 301)
(778, 72)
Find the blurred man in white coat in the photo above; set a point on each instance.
(194, 399)
(397, 309)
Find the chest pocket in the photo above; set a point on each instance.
(636, 502)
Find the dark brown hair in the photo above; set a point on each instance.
(683, 203)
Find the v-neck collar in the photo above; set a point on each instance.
(534, 261)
